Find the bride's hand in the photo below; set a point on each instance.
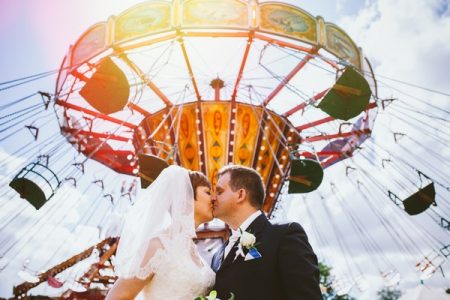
(125, 289)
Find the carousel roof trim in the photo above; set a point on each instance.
(142, 23)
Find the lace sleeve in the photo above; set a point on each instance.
(151, 261)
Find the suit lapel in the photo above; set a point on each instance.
(258, 225)
(255, 228)
(230, 257)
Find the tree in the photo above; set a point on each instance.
(326, 281)
(389, 294)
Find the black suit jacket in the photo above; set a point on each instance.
(287, 270)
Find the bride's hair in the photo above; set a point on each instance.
(198, 179)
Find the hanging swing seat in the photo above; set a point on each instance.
(30, 191)
(421, 200)
(36, 183)
(108, 89)
(348, 97)
(150, 166)
(305, 176)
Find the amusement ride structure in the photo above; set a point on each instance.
(203, 84)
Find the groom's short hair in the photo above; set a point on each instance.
(246, 178)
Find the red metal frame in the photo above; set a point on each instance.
(241, 69)
(304, 104)
(337, 135)
(95, 114)
(272, 200)
(139, 109)
(285, 81)
(199, 99)
(315, 123)
(188, 64)
(328, 119)
(232, 140)
(144, 78)
(283, 43)
(95, 134)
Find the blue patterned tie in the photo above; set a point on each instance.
(218, 259)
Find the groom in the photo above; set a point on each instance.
(260, 260)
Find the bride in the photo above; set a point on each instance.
(156, 257)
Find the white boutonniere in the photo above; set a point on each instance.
(247, 241)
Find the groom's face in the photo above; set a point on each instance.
(225, 199)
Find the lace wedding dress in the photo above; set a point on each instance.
(180, 272)
(157, 239)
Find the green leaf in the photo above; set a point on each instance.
(231, 297)
(212, 295)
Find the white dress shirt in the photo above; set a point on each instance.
(236, 234)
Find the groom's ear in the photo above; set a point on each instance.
(242, 195)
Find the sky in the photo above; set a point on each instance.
(406, 41)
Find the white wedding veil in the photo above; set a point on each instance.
(165, 208)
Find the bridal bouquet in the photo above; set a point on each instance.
(213, 296)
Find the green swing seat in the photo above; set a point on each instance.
(108, 89)
(32, 183)
(420, 200)
(348, 97)
(150, 166)
(305, 176)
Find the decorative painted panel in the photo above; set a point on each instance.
(287, 20)
(91, 43)
(340, 44)
(143, 20)
(247, 130)
(216, 122)
(188, 148)
(223, 13)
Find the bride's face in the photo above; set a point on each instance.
(203, 204)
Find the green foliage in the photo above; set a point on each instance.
(389, 294)
(213, 296)
(325, 280)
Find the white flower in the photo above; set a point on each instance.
(247, 240)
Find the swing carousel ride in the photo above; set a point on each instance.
(203, 84)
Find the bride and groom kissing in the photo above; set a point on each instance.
(157, 258)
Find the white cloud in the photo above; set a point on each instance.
(405, 40)
(10, 163)
(48, 236)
